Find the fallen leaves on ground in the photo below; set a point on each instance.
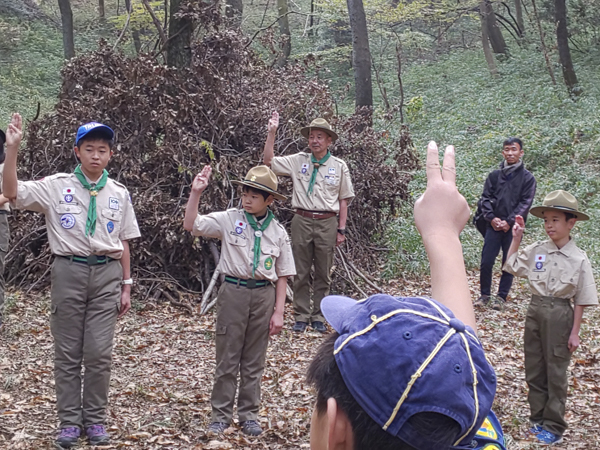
(163, 368)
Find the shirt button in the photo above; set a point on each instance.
(552, 279)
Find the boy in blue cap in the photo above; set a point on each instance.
(90, 219)
(409, 373)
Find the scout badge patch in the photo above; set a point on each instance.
(268, 263)
(240, 226)
(67, 221)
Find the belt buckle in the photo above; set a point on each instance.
(92, 260)
(251, 284)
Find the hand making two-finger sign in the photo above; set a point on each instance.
(201, 180)
(14, 132)
(273, 122)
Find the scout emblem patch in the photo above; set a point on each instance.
(332, 171)
(113, 203)
(110, 226)
(67, 221)
(487, 430)
(240, 226)
(539, 261)
(304, 168)
(68, 198)
(268, 263)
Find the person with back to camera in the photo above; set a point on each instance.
(508, 192)
(409, 373)
(558, 272)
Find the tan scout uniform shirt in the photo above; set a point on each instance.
(553, 272)
(4, 207)
(237, 235)
(65, 202)
(332, 184)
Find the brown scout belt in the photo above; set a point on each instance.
(315, 214)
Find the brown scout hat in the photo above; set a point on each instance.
(561, 201)
(262, 178)
(319, 124)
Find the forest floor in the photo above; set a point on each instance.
(164, 365)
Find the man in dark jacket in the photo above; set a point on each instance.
(508, 192)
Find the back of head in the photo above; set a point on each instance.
(406, 372)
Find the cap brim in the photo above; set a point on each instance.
(306, 132)
(538, 211)
(260, 187)
(337, 309)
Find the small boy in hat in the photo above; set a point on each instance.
(255, 253)
(4, 230)
(562, 285)
(322, 191)
(90, 220)
(403, 373)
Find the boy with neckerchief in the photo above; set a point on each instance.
(255, 254)
(90, 220)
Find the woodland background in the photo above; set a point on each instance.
(188, 83)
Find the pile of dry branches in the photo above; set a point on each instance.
(169, 123)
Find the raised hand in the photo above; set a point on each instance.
(273, 122)
(441, 210)
(201, 180)
(14, 132)
(518, 228)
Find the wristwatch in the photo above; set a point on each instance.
(127, 281)
(342, 231)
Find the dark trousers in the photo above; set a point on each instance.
(493, 242)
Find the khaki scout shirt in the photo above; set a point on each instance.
(237, 254)
(4, 207)
(65, 202)
(553, 272)
(333, 181)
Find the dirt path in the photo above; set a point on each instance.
(164, 364)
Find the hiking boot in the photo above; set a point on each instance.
(483, 300)
(299, 327)
(216, 428)
(319, 326)
(97, 435)
(497, 303)
(545, 437)
(535, 429)
(68, 437)
(251, 428)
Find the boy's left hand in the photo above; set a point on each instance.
(573, 342)
(276, 323)
(125, 300)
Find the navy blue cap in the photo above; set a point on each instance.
(93, 126)
(402, 356)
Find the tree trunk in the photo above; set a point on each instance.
(101, 12)
(135, 33)
(493, 30)
(179, 51)
(562, 40)
(234, 10)
(361, 54)
(543, 43)
(284, 29)
(519, 13)
(66, 15)
(487, 51)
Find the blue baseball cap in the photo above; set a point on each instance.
(402, 356)
(94, 126)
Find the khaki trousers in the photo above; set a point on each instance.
(85, 306)
(547, 328)
(243, 317)
(313, 242)
(4, 239)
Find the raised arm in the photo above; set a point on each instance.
(14, 135)
(440, 215)
(269, 150)
(198, 185)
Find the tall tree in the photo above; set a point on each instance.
(234, 10)
(361, 54)
(135, 33)
(284, 29)
(562, 40)
(101, 12)
(181, 29)
(66, 15)
(487, 51)
(519, 13)
(493, 30)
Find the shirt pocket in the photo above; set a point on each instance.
(269, 255)
(570, 280)
(111, 220)
(70, 216)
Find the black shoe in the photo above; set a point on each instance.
(251, 428)
(483, 300)
(216, 428)
(299, 327)
(497, 303)
(319, 326)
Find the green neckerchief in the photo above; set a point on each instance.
(90, 224)
(258, 231)
(316, 165)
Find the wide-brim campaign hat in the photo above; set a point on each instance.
(404, 356)
(262, 178)
(319, 124)
(560, 201)
(86, 129)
